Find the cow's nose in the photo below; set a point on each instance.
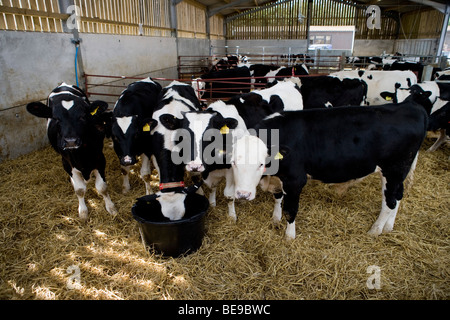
(243, 195)
(127, 160)
(71, 143)
(195, 167)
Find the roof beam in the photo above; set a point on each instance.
(436, 5)
(216, 10)
(255, 10)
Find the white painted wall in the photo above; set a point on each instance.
(373, 47)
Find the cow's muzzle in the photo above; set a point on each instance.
(243, 195)
(128, 160)
(195, 167)
(71, 143)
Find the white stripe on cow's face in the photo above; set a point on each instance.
(67, 104)
(198, 122)
(124, 123)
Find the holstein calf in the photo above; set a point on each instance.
(131, 122)
(286, 72)
(213, 131)
(334, 145)
(439, 97)
(76, 130)
(173, 100)
(324, 91)
(223, 83)
(379, 81)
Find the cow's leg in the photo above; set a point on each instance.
(276, 216)
(392, 193)
(146, 174)
(292, 191)
(228, 192)
(442, 138)
(102, 188)
(410, 177)
(79, 185)
(126, 179)
(212, 181)
(274, 185)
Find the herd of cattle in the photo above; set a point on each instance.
(337, 129)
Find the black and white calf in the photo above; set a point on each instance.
(76, 129)
(325, 91)
(259, 104)
(379, 81)
(335, 145)
(416, 67)
(131, 122)
(229, 121)
(439, 97)
(286, 72)
(223, 83)
(259, 71)
(174, 100)
(209, 133)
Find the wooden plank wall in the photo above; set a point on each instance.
(274, 22)
(422, 24)
(191, 19)
(281, 22)
(31, 15)
(130, 17)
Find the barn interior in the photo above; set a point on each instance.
(104, 46)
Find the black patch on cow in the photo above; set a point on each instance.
(360, 73)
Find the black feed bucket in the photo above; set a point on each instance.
(171, 237)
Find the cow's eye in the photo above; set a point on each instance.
(261, 165)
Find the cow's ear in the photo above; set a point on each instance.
(148, 124)
(426, 94)
(230, 123)
(283, 151)
(388, 96)
(39, 109)
(98, 107)
(170, 121)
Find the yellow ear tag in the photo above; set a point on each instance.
(388, 98)
(224, 130)
(94, 112)
(278, 156)
(146, 127)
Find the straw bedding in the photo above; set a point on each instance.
(42, 238)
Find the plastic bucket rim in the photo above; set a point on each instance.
(183, 220)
